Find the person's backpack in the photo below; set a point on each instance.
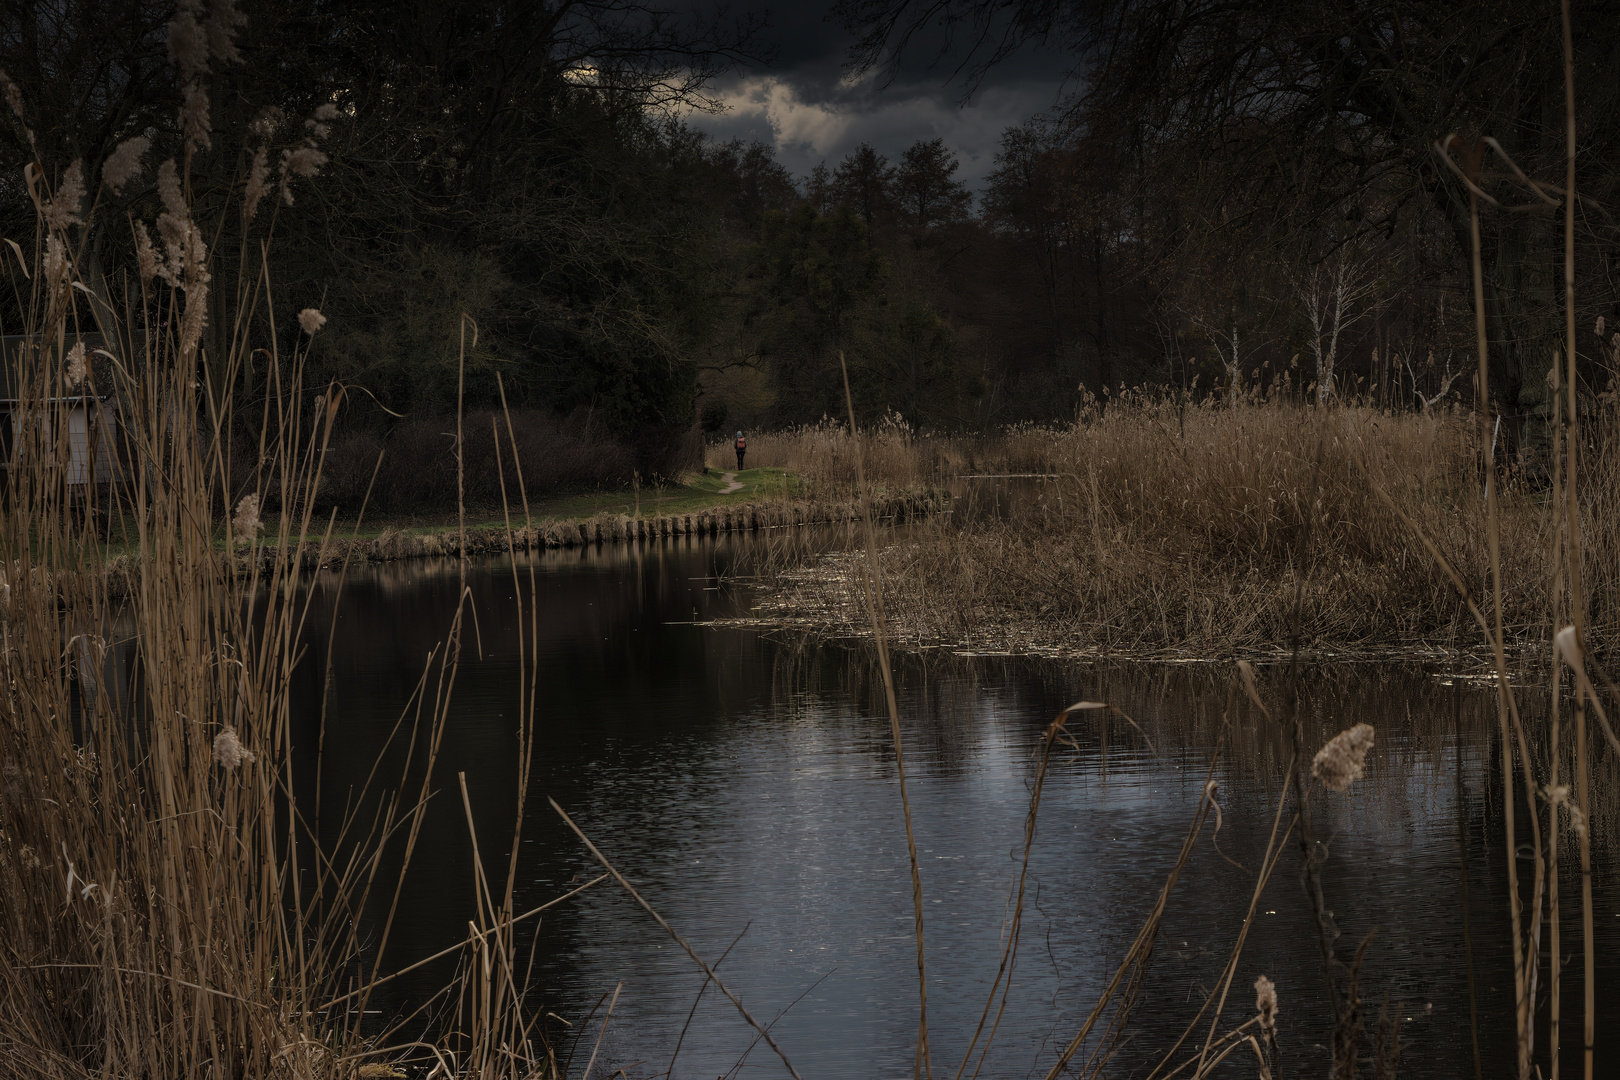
(742, 444)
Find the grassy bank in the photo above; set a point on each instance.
(692, 494)
(1157, 527)
(717, 505)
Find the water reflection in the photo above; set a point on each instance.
(744, 781)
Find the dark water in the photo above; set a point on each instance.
(745, 782)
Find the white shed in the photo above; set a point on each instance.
(79, 430)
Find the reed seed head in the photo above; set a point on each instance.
(1265, 1003)
(246, 524)
(13, 95)
(62, 209)
(1339, 763)
(304, 161)
(124, 163)
(146, 255)
(57, 265)
(267, 121)
(1598, 330)
(1570, 650)
(258, 182)
(228, 749)
(1561, 796)
(194, 120)
(311, 320)
(174, 200)
(76, 368)
(187, 41)
(220, 30)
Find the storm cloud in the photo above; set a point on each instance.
(806, 104)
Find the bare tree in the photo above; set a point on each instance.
(1427, 401)
(1332, 293)
(1227, 338)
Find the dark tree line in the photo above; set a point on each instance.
(1238, 192)
(510, 161)
(1232, 148)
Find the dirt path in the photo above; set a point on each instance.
(730, 478)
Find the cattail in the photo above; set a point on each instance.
(75, 365)
(1339, 763)
(246, 524)
(1265, 1003)
(311, 320)
(228, 749)
(258, 182)
(124, 163)
(187, 41)
(62, 209)
(194, 121)
(1598, 330)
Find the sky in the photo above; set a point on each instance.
(805, 103)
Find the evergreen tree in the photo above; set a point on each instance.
(925, 187)
(864, 182)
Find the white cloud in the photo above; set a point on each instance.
(796, 123)
(805, 131)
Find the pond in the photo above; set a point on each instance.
(744, 780)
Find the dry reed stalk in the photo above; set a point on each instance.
(1127, 975)
(1524, 967)
(1555, 740)
(176, 863)
(205, 921)
(1268, 863)
(669, 1071)
(1577, 592)
(659, 919)
(873, 585)
(1055, 731)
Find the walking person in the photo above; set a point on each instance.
(742, 448)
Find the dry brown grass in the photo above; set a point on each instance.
(1171, 528)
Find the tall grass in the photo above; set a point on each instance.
(168, 907)
(1159, 526)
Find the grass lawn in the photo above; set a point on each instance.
(697, 491)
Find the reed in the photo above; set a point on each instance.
(172, 903)
(1163, 527)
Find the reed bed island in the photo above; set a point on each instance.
(1169, 526)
